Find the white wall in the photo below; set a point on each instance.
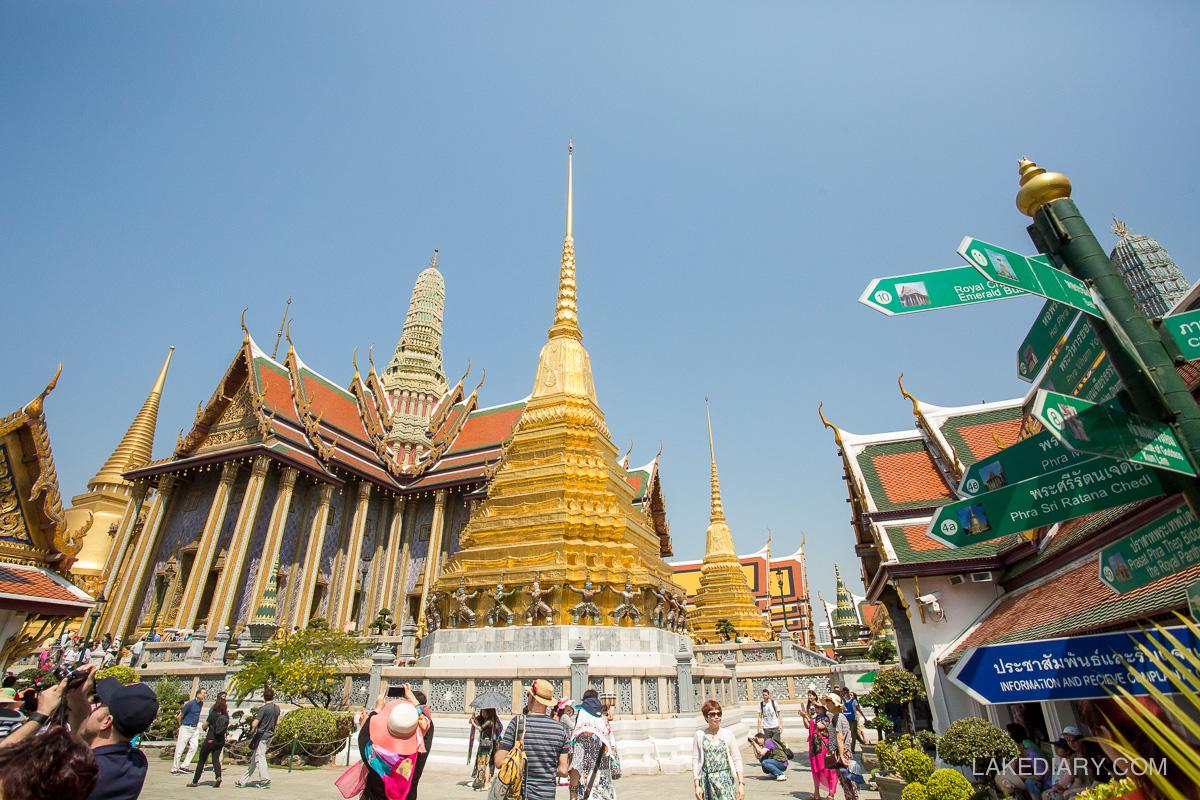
(962, 605)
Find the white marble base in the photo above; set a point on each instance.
(549, 646)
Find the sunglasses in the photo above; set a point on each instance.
(714, 713)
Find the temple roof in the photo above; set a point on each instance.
(33, 529)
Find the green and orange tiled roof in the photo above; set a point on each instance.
(973, 436)
(913, 546)
(902, 475)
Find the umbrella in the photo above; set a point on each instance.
(867, 678)
(491, 700)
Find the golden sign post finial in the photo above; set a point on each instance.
(1039, 187)
(570, 193)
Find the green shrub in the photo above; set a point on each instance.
(315, 730)
(880, 723)
(914, 791)
(893, 685)
(913, 765)
(33, 675)
(888, 750)
(970, 739)
(926, 740)
(948, 784)
(882, 651)
(1107, 791)
(171, 697)
(126, 675)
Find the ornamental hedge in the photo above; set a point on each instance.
(948, 784)
(914, 766)
(972, 739)
(914, 791)
(315, 732)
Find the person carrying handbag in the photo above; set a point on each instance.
(537, 747)
(838, 756)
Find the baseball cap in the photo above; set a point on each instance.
(542, 690)
(133, 707)
(1072, 730)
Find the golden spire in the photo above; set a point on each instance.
(1039, 187)
(566, 312)
(716, 510)
(137, 445)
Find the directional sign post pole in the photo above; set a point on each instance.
(1059, 229)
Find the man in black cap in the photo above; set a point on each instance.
(107, 726)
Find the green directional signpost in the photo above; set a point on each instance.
(940, 288)
(1160, 548)
(1104, 429)
(1185, 330)
(1047, 332)
(1056, 496)
(1033, 274)
(1026, 459)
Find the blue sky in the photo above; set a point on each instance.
(741, 173)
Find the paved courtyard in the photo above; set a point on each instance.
(440, 782)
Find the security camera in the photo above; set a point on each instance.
(929, 599)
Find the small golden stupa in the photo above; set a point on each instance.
(559, 509)
(724, 592)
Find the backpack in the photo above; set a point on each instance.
(783, 749)
(510, 776)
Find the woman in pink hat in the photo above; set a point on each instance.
(388, 745)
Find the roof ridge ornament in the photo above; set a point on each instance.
(1120, 228)
(916, 404)
(837, 432)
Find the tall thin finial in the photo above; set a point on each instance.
(570, 192)
(1119, 228)
(137, 445)
(717, 509)
(566, 311)
(433, 262)
(282, 322)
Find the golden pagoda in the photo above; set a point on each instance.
(724, 592)
(109, 493)
(559, 508)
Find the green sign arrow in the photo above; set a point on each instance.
(1081, 367)
(1026, 459)
(1033, 274)
(1057, 496)
(1105, 429)
(1185, 330)
(1047, 333)
(939, 288)
(1163, 547)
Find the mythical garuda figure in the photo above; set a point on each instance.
(586, 607)
(499, 607)
(462, 612)
(537, 606)
(627, 606)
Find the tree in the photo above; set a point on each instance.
(882, 651)
(726, 629)
(383, 621)
(894, 686)
(306, 666)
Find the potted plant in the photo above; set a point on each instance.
(893, 690)
(914, 768)
(978, 744)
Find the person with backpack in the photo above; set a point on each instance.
(536, 742)
(771, 756)
(768, 717)
(839, 756)
(593, 749)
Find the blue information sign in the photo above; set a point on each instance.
(1074, 668)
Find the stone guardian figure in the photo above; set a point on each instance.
(586, 607)
(627, 608)
(462, 612)
(538, 608)
(499, 607)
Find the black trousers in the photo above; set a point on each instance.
(209, 748)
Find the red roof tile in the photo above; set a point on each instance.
(981, 438)
(488, 428)
(22, 584)
(910, 477)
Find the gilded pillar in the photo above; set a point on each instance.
(351, 559)
(206, 548)
(391, 556)
(274, 537)
(306, 582)
(235, 558)
(434, 554)
(116, 565)
(140, 564)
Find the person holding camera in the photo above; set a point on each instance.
(105, 716)
(770, 756)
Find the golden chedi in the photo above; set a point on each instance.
(724, 592)
(559, 508)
